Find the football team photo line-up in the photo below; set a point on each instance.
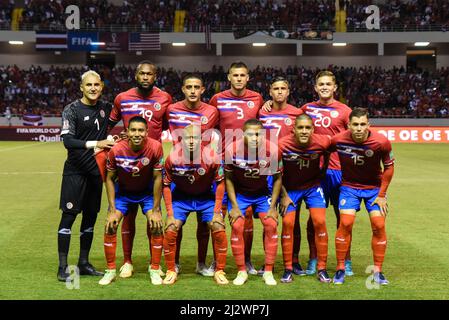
(236, 157)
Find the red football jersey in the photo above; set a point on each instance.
(360, 163)
(180, 116)
(193, 177)
(329, 119)
(153, 108)
(135, 169)
(250, 171)
(302, 164)
(234, 111)
(283, 121)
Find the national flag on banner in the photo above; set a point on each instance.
(51, 40)
(32, 120)
(114, 41)
(208, 37)
(144, 41)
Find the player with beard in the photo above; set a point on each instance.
(149, 102)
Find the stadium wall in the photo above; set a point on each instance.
(402, 134)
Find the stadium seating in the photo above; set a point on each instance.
(225, 16)
(387, 93)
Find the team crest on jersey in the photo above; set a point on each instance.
(204, 120)
(369, 153)
(343, 202)
(242, 164)
(181, 172)
(102, 114)
(145, 161)
(69, 205)
(250, 104)
(288, 121)
(191, 179)
(314, 156)
(201, 171)
(334, 114)
(262, 163)
(157, 106)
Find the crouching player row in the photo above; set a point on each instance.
(361, 153)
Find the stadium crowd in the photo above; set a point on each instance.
(386, 92)
(160, 14)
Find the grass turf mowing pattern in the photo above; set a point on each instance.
(416, 260)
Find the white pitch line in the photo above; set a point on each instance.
(24, 146)
(32, 172)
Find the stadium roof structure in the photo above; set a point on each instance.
(222, 42)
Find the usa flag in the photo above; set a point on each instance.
(144, 41)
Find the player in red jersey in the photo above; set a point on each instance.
(282, 115)
(134, 177)
(361, 153)
(248, 163)
(151, 103)
(329, 117)
(237, 105)
(302, 151)
(191, 169)
(280, 118)
(192, 110)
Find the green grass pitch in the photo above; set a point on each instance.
(416, 261)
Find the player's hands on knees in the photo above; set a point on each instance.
(170, 222)
(218, 218)
(284, 203)
(383, 205)
(105, 144)
(112, 222)
(234, 214)
(267, 106)
(155, 220)
(273, 214)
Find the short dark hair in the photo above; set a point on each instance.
(192, 76)
(358, 112)
(280, 78)
(141, 63)
(252, 122)
(303, 116)
(325, 73)
(238, 64)
(137, 119)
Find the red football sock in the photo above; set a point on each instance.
(128, 233)
(178, 245)
(318, 216)
(170, 248)
(337, 215)
(271, 241)
(238, 244)
(378, 241)
(248, 233)
(311, 239)
(202, 236)
(110, 245)
(220, 248)
(156, 243)
(296, 238)
(343, 238)
(288, 222)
